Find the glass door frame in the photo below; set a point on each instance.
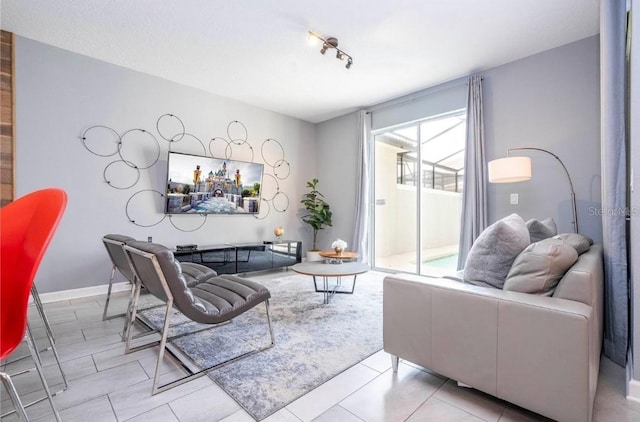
(372, 188)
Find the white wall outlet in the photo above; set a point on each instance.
(514, 199)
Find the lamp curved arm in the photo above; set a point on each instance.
(573, 194)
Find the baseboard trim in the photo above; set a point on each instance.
(633, 390)
(84, 292)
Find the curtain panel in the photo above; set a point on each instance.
(614, 178)
(360, 239)
(474, 197)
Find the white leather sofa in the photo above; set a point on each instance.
(540, 353)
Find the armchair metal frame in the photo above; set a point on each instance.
(114, 249)
(114, 244)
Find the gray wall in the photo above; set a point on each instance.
(59, 94)
(335, 158)
(549, 100)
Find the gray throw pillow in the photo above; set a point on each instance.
(579, 242)
(539, 230)
(539, 268)
(493, 252)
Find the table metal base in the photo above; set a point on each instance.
(330, 292)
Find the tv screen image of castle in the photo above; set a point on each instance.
(207, 185)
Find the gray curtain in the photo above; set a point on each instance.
(474, 197)
(614, 177)
(360, 239)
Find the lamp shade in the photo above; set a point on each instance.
(509, 170)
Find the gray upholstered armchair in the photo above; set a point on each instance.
(114, 244)
(213, 300)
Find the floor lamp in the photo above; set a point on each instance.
(518, 169)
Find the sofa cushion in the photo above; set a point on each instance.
(579, 242)
(539, 267)
(539, 230)
(493, 252)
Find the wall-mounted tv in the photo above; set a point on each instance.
(206, 185)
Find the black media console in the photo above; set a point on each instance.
(234, 258)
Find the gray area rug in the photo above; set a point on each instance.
(314, 342)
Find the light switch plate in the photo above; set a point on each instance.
(514, 199)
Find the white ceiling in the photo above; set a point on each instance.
(256, 51)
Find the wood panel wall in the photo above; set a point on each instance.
(7, 119)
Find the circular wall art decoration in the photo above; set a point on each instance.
(240, 129)
(133, 219)
(282, 169)
(228, 152)
(270, 187)
(273, 155)
(95, 134)
(178, 130)
(221, 150)
(204, 220)
(129, 167)
(147, 133)
(104, 141)
(264, 205)
(280, 201)
(190, 136)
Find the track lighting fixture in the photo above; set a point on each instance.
(331, 42)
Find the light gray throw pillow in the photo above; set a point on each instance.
(539, 230)
(581, 243)
(539, 268)
(493, 252)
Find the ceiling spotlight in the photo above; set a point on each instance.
(312, 39)
(332, 42)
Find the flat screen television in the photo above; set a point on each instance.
(199, 184)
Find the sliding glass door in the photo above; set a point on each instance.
(418, 171)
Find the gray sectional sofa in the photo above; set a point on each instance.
(538, 352)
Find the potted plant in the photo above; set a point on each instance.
(318, 215)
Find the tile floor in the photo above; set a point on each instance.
(106, 385)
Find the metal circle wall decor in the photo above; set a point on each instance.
(259, 216)
(189, 135)
(284, 198)
(92, 129)
(228, 155)
(237, 141)
(264, 183)
(175, 138)
(277, 164)
(267, 143)
(204, 220)
(271, 151)
(129, 166)
(280, 167)
(126, 208)
(120, 146)
(226, 145)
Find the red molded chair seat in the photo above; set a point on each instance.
(26, 228)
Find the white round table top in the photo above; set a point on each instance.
(330, 270)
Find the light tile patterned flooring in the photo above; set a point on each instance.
(106, 385)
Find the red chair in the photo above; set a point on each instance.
(26, 228)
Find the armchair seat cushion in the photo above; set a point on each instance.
(226, 296)
(196, 273)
